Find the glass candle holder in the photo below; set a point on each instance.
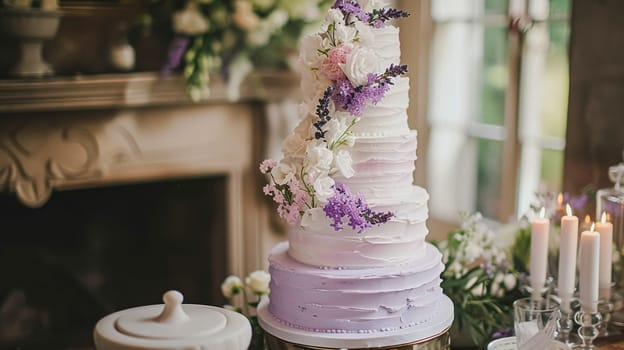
(611, 201)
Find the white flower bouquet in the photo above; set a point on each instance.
(255, 286)
(233, 37)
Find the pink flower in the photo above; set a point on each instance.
(337, 56)
(267, 165)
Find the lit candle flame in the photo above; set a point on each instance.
(543, 212)
(568, 210)
(603, 218)
(592, 226)
(587, 219)
(560, 198)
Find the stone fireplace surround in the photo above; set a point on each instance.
(61, 134)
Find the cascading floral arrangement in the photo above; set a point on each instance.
(342, 75)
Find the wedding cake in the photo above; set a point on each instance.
(356, 265)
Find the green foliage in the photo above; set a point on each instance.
(481, 296)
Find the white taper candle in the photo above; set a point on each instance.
(567, 257)
(539, 254)
(605, 229)
(588, 276)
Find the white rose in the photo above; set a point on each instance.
(365, 34)
(282, 173)
(294, 146)
(312, 216)
(333, 17)
(231, 286)
(370, 5)
(258, 281)
(244, 17)
(308, 50)
(323, 188)
(189, 20)
(344, 34)
(360, 62)
(319, 157)
(344, 163)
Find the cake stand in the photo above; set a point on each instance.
(32, 27)
(433, 334)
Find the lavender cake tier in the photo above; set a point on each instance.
(354, 300)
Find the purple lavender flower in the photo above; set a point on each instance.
(378, 17)
(343, 205)
(322, 111)
(351, 7)
(503, 333)
(175, 53)
(488, 269)
(353, 99)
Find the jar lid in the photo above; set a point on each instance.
(173, 326)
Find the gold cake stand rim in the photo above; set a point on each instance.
(354, 341)
(388, 347)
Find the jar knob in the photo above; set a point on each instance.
(172, 312)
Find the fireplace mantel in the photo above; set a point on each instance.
(133, 90)
(66, 133)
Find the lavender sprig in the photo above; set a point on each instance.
(351, 7)
(175, 53)
(353, 99)
(395, 70)
(343, 205)
(378, 17)
(322, 111)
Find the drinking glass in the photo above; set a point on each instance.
(535, 322)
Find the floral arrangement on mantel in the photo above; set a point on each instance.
(486, 269)
(255, 286)
(341, 76)
(232, 37)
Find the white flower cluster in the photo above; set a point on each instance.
(477, 246)
(256, 282)
(315, 161)
(341, 49)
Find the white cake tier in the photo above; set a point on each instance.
(389, 116)
(397, 241)
(387, 45)
(384, 167)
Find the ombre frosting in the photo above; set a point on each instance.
(381, 279)
(354, 300)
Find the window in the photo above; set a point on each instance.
(497, 104)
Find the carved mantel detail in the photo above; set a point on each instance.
(38, 156)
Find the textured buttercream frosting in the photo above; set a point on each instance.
(386, 277)
(354, 300)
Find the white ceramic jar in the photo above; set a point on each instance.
(173, 326)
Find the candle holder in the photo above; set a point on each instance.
(565, 323)
(588, 331)
(605, 308)
(608, 306)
